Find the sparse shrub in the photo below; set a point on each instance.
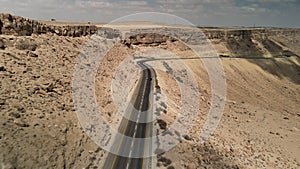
(26, 45)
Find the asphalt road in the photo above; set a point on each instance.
(136, 127)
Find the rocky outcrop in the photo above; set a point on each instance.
(145, 39)
(254, 42)
(15, 25)
(239, 41)
(247, 33)
(244, 42)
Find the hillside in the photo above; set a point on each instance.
(260, 127)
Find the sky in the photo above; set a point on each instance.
(268, 13)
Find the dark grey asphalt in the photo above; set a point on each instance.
(140, 100)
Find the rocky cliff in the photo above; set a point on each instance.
(242, 42)
(15, 25)
(255, 42)
(244, 33)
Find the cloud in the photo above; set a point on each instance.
(110, 4)
(271, 1)
(251, 9)
(94, 4)
(205, 12)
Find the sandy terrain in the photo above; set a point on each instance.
(260, 127)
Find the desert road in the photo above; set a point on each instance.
(136, 127)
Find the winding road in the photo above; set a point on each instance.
(136, 127)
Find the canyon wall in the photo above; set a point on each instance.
(237, 42)
(15, 25)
